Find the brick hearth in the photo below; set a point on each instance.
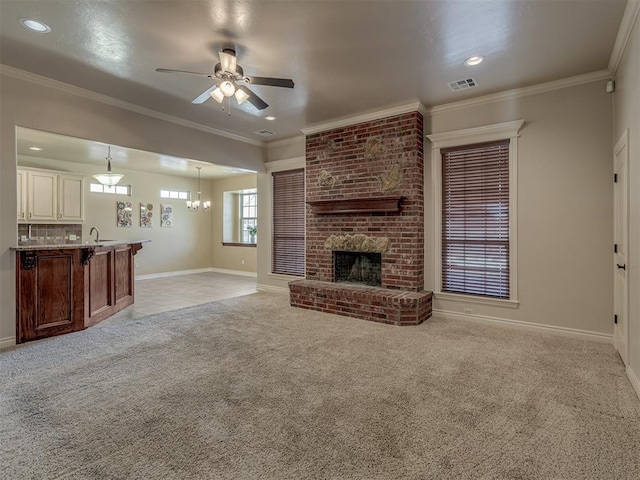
(376, 304)
(353, 177)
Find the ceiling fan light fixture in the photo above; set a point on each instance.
(227, 88)
(241, 96)
(217, 95)
(109, 179)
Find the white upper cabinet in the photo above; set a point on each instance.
(42, 190)
(50, 196)
(70, 198)
(22, 195)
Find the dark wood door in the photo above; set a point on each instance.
(100, 285)
(124, 275)
(50, 294)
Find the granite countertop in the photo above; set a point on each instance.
(65, 246)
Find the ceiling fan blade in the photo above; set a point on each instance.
(204, 96)
(254, 99)
(169, 70)
(272, 82)
(228, 61)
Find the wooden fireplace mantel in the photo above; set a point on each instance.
(356, 205)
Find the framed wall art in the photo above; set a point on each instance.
(146, 215)
(166, 215)
(124, 214)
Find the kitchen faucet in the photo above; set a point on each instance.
(97, 239)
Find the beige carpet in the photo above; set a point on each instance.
(250, 388)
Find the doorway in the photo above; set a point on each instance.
(620, 247)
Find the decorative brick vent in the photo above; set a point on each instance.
(365, 193)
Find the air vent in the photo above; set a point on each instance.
(265, 133)
(463, 84)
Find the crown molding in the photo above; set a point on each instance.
(365, 117)
(286, 164)
(98, 97)
(624, 32)
(469, 136)
(523, 92)
(286, 141)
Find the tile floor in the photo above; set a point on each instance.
(170, 293)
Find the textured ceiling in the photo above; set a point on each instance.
(346, 57)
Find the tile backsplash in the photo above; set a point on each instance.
(49, 234)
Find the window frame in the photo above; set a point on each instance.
(502, 131)
(272, 258)
(115, 187)
(241, 217)
(179, 194)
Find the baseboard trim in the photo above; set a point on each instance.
(196, 270)
(7, 342)
(171, 274)
(635, 382)
(537, 327)
(270, 288)
(234, 272)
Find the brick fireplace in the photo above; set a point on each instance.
(365, 198)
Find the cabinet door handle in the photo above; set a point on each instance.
(60, 215)
(29, 214)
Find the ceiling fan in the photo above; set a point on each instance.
(231, 76)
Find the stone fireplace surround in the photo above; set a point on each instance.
(365, 193)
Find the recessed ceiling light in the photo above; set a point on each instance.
(475, 60)
(35, 25)
(270, 117)
(37, 149)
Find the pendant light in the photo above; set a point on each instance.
(109, 179)
(194, 205)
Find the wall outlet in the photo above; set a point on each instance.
(242, 261)
(468, 310)
(23, 238)
(73, 237)
(137, 264)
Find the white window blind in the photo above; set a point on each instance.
(288, 222)
(475, 219)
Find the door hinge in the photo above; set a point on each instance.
(615, 248)
(615, 319)
(615, 178)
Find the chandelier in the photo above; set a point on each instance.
(194, 205)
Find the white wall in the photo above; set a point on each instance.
(266, 279)
(564, 206)
(627, 117)
(225, 257)
(184, 246)
(35, 104)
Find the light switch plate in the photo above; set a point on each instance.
(73, 237)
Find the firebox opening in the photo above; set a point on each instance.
(358, 267)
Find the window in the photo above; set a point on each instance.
(114, 190)
(288, 222)
(180, 195)
(474, 174)
(475, 219)
(239, 215)
(248, 216)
